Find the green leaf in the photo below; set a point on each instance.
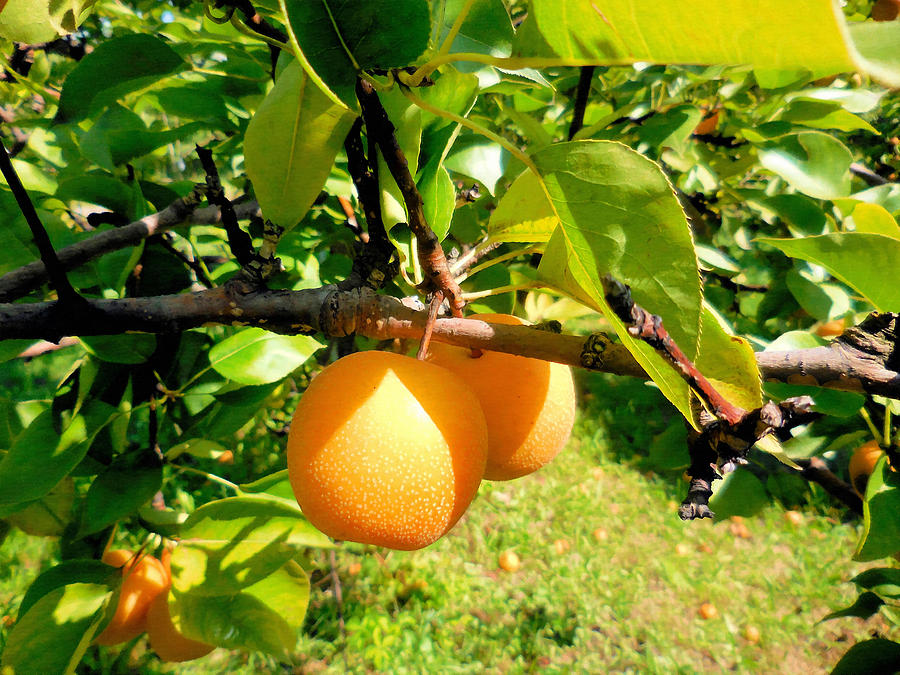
(885, 581)
(477, 157)
(486, 29)
(274, 484)
(807, 32)
(524, 214)
(822, 301)
(863, 607)
(729, 363)
(871, 656)
(233, 543)
(438, 196)
(340, 38)
(291, 143)
(874, 219)
(129, 482)
(826, 401)
(67, 572)
(740, 494)
(266, 616)
(811, 161)
(116, 67)
(876, 49)
(57, 630)
(256, 356)
(41, 457)
(823, 115)
(669, 450)
(861, 260)
(34, 21)
(49, 515)
(127, 348)
(618, 215)
(196, 447)
(881, 515)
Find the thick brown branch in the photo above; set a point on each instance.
(431, 256)
(22, 281)
(365, 312)
(816, 470)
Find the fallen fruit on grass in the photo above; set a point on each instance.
(600, 534)
(386, 450)
(794, 517)
(165, 640)
(682, 549)
(529, 404)
(708, 611)
(862, 464)
(143, 581)
(751, 634)
(739, 529)
(561, 546)
(509, 561)
(354, 569)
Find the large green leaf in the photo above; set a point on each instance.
(340, 38)
(233, 543)
(265, 616)
(808, 35)
(740, 494)
(485, 30)
(82, 571)
(115, 67)
(49, 515)
(34, 21)
(129, 348)
(861, 260)
(256, 356)
(811, 161)
(618, 215)
(870, 656)
(57, 630)
(881, 514)
(291, 143)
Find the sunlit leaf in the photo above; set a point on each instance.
(861, 260)
(256, 356)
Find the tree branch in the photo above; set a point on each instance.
(431, 256)
(22, 281)
(581, 99)
(337, 313)
(55, 271)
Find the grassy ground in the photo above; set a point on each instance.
(611, 580)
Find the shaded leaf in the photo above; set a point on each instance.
(740, 494)
(128, 348)
(265, 616)
(49, 515)
(871, 656)
(130, 481)
(863, 607)
(339, 38)
(811, 161)
(885, 581)
(116, 67)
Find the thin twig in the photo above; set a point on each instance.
(649, 328)
(240, 243)
(867, 174)
(55, 270)
(429, 325)
(581, 99)
(430, 254)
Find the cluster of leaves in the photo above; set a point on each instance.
(784, 239)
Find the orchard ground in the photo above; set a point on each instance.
(625, 595)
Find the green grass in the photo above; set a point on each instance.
(624, 603)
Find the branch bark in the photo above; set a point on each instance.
(22, 281)
(869, 351)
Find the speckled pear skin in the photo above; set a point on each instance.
(386, 450)
(529, 404)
